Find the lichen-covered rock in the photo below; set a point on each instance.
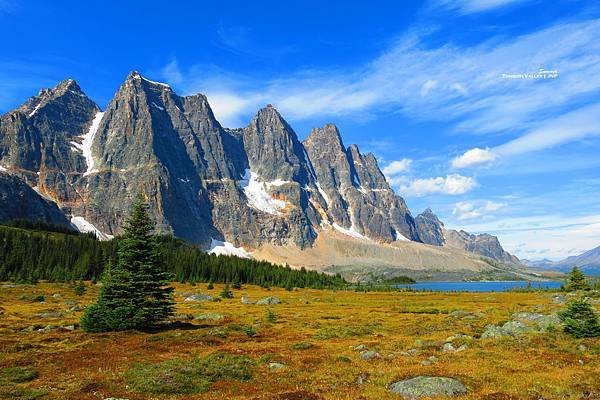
(428, 386)
(199, 297)
(368, 355)
(269, 301)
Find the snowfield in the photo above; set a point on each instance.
(220, 248)
(258, 197)
(84, 226)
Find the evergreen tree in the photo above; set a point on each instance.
(226, 293)
(576, 281)
(580, 319)
(134, 294)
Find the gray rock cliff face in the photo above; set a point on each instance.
(430, 228)
(19, 201)
(482, 244)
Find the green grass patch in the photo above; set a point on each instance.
(17, 375)
(348, 331)
(22, 393)
(301, 346)
(188, 376)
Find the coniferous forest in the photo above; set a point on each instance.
(32, 251)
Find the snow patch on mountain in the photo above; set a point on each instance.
(221, 248)
(157, 106)
(86, 144)
(350, 232)
(84, 226)
(400, 237)
(322, 192)
(258, 197)
(2, 169)
(31, 114)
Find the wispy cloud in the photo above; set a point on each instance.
(459, 85)
(474, 6)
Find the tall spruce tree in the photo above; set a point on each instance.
(577, 281)
(134, 294)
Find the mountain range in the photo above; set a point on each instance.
(588, 262)
(255, 191)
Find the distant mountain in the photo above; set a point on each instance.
(588, 262)
(255, 190)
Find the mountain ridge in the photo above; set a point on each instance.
(252, 186)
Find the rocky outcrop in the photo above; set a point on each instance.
(482, 244)
(19, 201)
(430, 228)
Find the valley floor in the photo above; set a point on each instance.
(305, 350)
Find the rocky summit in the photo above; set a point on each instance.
(252, 191)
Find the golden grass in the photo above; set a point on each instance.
(313, 336)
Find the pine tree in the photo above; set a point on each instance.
(134, 294)
(576, 281)
(226, 293)
(580, 319)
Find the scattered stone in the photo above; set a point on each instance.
(362, 378)
(459, 313)
(368, 355)
(70, 327)
(199, 297)
(458, 336)
(449, 347)
(269, 301)
(49, 315)
(559, 299)
(76, 308)
(70, 303)
(275, 366)
(429, 361)
(211, 316)
(360, 347)
(181, 317)
(246, 300)
(427, 386)
(411, 352)
(541, 321)
(57, 295)
(582, 347)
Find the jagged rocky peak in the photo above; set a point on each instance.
(273, 149)
(430, 228)
(483, 244)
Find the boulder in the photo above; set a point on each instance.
(427, 386)
(246, 300)
(211, 316)
(269, 301)
(368, 355)
(199, 297)
(275, 366)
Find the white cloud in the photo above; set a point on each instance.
(453, 184)
(473, 157)
(474, 6)
(428, 86)
(397, 167)
(550, 236)
(464, 210)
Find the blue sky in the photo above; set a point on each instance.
(435, 89)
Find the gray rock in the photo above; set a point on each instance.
(582, 347)
(275, 366)
(429, 361)
(246, 300)
(368, 355)
(541, 322)
(50, 315)
(362, 378)
(360, 347)
(269, 301)
(212, 316)
(199, 297)
(76, 308)
(410, 352)
(427, 386)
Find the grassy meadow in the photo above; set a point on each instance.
(302, 348)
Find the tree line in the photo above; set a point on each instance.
(32, 251)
